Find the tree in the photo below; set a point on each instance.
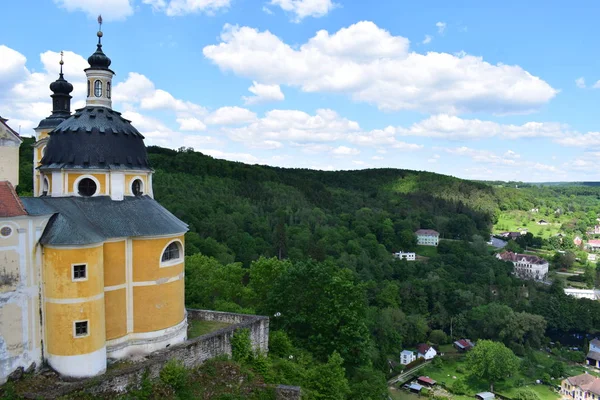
(438, 337)
(328, 381)
(491, 361)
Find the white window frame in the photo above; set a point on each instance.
(73, 272)
(176, 261)
(131, 185)
(75, 335)
(100, 87)
(76, 184)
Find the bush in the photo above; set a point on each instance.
(459, 387)
(525, 394)
(280, 344)
(174, 374)
(438, 337)
(437, 362)
(241, 346)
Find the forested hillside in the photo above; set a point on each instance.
(312, 250)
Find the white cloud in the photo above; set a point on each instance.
(305, 8)
(242, 157)
(191, 124)
(441, 26)
(230, 116)
(381, 137)
(434, 158)
(183, 7)
(580, 82)
(449, 127)
(345, 151)
(428, 39)
(110, 9)
(377, 158)
(596, 85)
(576, 139)
(294, 126)
(369, 64)
(263, 93)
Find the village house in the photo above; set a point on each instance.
(405, 256)
(407, 356)
(526, 266)
(426, 351)
(463, 345)
(584, 386)
(534, 210)
(511, 235)
(426, 381)
(593, 244)
(593, 355)
(595, 230)
(427, 237)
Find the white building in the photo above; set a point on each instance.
(9, 153)
(582, 293)
(405, 256)
(526, 266)
(427, 237)
(426, 351)
(407, 356)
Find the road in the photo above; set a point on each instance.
(404, 375)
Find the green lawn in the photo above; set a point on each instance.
(400, 394)
(509, 221)
(199, 328)
(427, 251)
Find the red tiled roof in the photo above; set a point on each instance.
(10, 204)
(465, 343)
(422, 348)
(426, 379)
(594, 242)
(586, 382)
(427, 232)
(514, 257)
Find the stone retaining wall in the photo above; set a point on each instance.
(192, 353)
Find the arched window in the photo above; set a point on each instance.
(98, 88)
(87, 187)
(137, 187)
(173, 254)
(45, 186)
(108, 89)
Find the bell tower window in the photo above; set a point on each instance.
(108, 89)
(89, 89)
(98, 88)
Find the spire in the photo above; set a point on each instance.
(99, 60)
(61, 93)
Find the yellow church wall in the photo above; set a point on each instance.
(103, 189)
(146, 259)
(129, 180)
(114, 263)
(58, 272)
(116, 313)
(158, 307)
(59, 320)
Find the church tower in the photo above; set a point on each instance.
(108, 257)
(96, 152)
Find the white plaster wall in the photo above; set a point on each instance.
(20, 326)
(80, 366)
(9, 163)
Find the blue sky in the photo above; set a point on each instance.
(475, 91)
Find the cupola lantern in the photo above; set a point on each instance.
(99, 75)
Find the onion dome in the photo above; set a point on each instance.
(96, 137)
(99, 60)
(61, 85)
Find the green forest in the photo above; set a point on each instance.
(313, 250)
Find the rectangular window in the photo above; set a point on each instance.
(80, 328)
(80, 272)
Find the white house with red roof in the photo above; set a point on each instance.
(10, 141)
(427, 237)
(593, 244)
(426, 351)
(526, 266)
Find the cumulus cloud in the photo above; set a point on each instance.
(175, 8)
(428, 39)
(580, 82)
(263, 93)
(243, 157)
(345, 151)
(450, 127)
(301, 9)
(230, 116)
(110, 9)
(373, 66)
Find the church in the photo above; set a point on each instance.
(91, 266)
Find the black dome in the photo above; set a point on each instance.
(95, 137)
(61, 86)
(99, 60)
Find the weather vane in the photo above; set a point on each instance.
(61, 61)
(99, 28)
